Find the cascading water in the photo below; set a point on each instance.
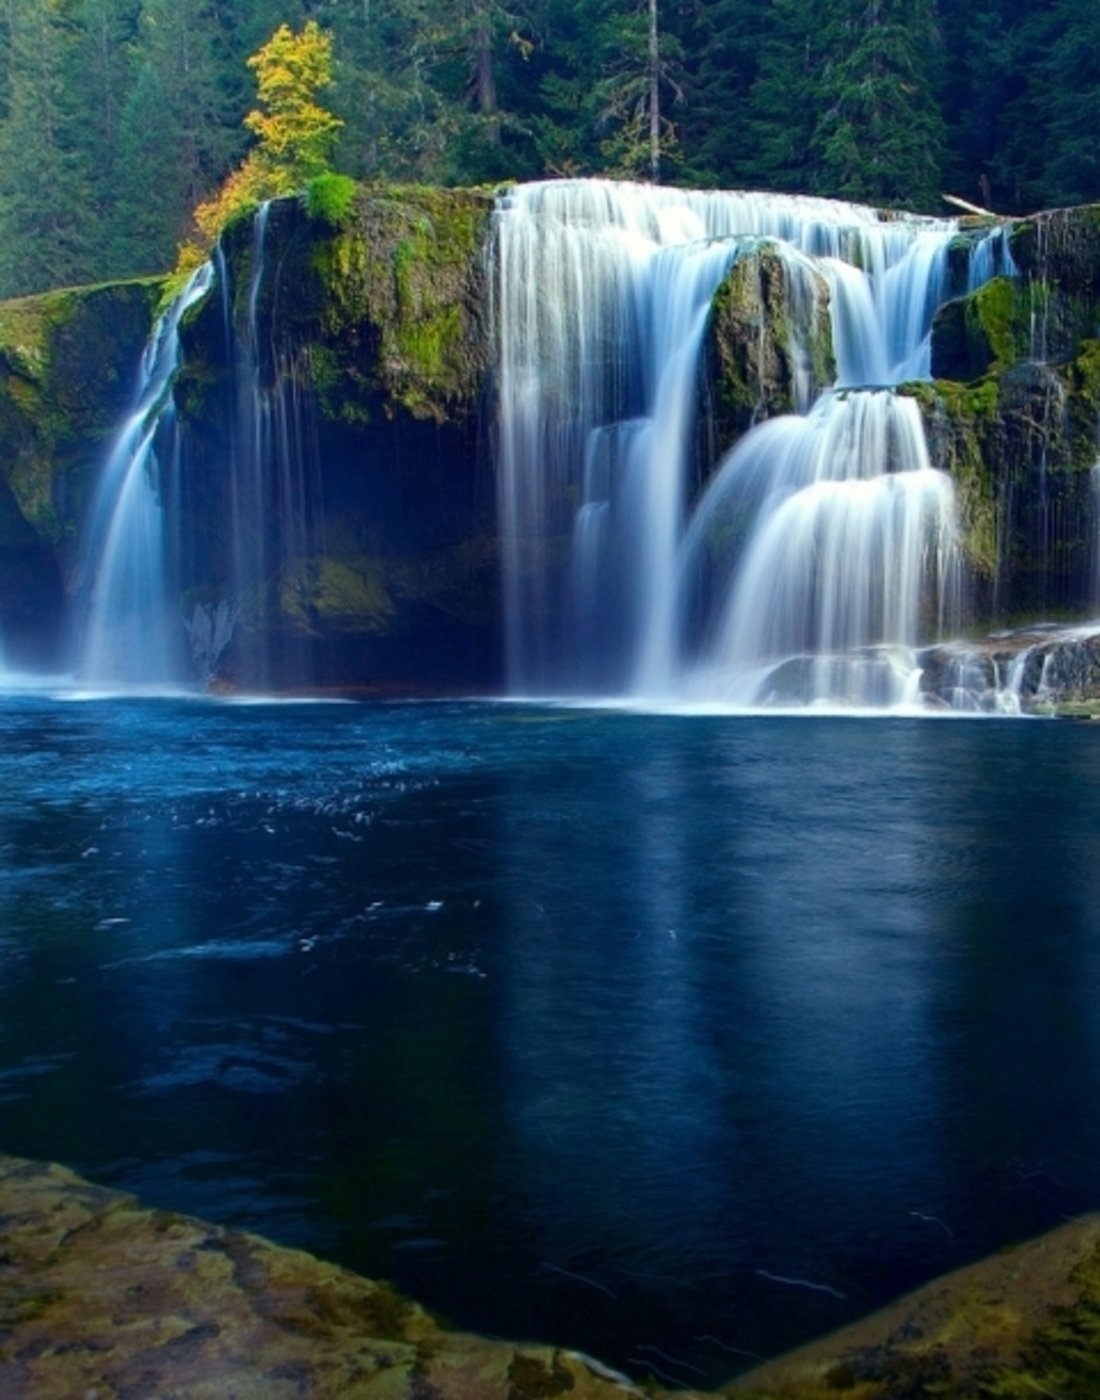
(991, 257)
(131, 633)
(823, 549)
(232, 550)
(852, 535)
(273, 498)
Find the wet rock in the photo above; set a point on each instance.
(100, 1296)
(769, 344)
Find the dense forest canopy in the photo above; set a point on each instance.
(119, 117)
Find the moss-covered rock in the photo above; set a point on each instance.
(102, 1296)
(760, 363)
(68, 363)
(384, 302)
(1023, 1323)
(1058, 255)
(355, 331)
(1021, 445)
(986, 330)
(99, 1293)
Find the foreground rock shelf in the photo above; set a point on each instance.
(102, 1297)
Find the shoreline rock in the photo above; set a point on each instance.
(103, 1297)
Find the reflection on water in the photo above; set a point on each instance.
(675, 1039)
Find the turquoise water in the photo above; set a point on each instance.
(677, 1039)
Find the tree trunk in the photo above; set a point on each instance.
(484, 82)
(654, 95)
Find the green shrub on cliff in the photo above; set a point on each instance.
(329, 198)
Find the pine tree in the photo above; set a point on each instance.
(879, 135)
(608, 98)
(44, 235)
(1070, 79)
(180, 130)
(7, 41)
(784, 101)
(100, 82)
(725, 47)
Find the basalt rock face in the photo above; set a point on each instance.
(363, 343)
(335, 372)
(1014, 415)
(758, 363)
(363, 348)
(67, 363)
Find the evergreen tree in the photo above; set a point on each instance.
(7, 41)
(180, 129)
(101, 79)
(879, 133)
(726, 45)
(616, 70)
(785, 97)
(1070, 100)
(44, 236)
(385, 56)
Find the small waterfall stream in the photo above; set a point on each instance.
(823, 548)
(147, 549)
(131, 632)
(273, 500)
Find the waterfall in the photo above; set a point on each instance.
(824, 545)
(991, 257)
(274, 517)
(132, 631)
(227, 531)
(853, 536)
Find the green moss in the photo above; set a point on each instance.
(987, 330)
(402, 288)
(1061, 1357)
(960, 418)
(67, 365)
(1083, 383)
(378, 289)
(335, 595)
(994, 311)
(378, 1312)
(330, 199)
(751, 343)
(25, 1304)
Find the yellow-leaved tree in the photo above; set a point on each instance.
(296, 134)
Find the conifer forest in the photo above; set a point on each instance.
(118, 117)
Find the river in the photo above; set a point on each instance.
(676, 1038)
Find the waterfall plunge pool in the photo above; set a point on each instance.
(678, 1040)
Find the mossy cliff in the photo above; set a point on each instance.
(1014, 415)
(367, 329)
(67, 367)
(362, 321)
(385, 303)
(358, 329)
